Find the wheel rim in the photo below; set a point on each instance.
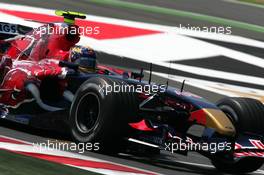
(87, 112)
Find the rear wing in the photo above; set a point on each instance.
(8, 30)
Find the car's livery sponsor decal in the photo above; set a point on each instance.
(245, 151)
(8, 28)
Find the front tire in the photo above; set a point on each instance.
(97, 117)
(247, 116)
(243, 166)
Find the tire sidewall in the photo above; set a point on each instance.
(105, 102)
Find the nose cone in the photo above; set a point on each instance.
(215, 119)
(219, 121)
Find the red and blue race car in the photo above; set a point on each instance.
(47, 79)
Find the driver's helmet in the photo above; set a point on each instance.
(84, 56)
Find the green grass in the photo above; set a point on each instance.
(261, 2)
(15, 164)
(180, 13)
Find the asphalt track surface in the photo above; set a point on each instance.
(166, 163)
(218, 8)
(224, 9)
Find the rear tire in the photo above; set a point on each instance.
(247, 116)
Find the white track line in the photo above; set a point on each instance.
(245, 3)
(141, 48)
(104, 171)
(216, 87)
(18, 140)
(40, 150)
(29, 149)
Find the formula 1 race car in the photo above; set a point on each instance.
(46, 80)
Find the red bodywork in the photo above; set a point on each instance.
(35, 56)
